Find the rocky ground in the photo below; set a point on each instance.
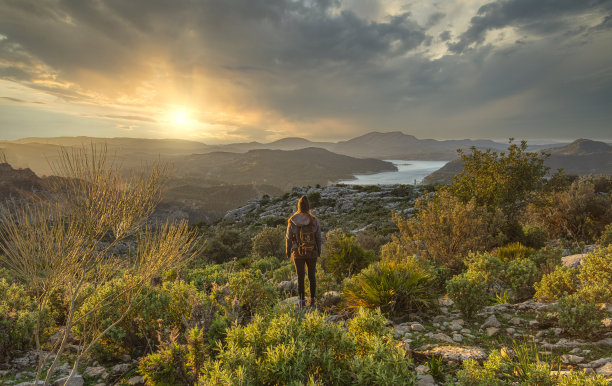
(353, 208)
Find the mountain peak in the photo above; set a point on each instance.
(582, 146)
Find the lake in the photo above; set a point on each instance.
(407, 173)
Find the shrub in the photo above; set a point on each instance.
(553, 286)
(174, 363)
(470, 296)
(504, 180)
(606, 236)
(523, 365)
(547, 259)
(486, 267)
(579, 316)
(294, 349)
(226, 244)
(269, 242)
(445, 229)
(285, 272)
(394, 287)
(203, 278)
(167, 305)
(596, 275)
(266, 264)
(314, 199)
(17, 319)
(533, 236)
(514, 251)
(580, 213)
(250, 292)
(348, 258)
(521, 275)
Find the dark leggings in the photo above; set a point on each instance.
(311, 264)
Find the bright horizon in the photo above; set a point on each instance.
(246, 70)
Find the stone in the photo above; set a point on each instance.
(604, 342)
(457, 354)
(557, 331)
(120, 369)
(573, 261)
(491, 322)
(455, 327)
(457, 338)
(96, 372)
(599, 362)
(417, 327)
(510, 330)
(421, 369)
(605, 370)
(286, 286)
(293, 301)
(458, 321)
(571, 359)
(136, 380)
(76, 380)
(533, 323)
(442, 337)
(516, 321)
(400, 330)
(331, 298)
(425, 380)
(446, 302)
(492, 331)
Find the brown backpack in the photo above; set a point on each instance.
(305, 238)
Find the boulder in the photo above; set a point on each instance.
(120, 369)
(571, 359)
(96, 372)
(605, 370)
(573, 261)
(491, 322)
(331, 298)
(76, 380)
(442, 337)
(425, 380)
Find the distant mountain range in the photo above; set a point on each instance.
(581, 157)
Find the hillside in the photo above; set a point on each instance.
(283, 169)
(581, 157)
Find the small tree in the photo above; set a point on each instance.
(65, 242)
(445, 230)
(504, 180)
(269, 242)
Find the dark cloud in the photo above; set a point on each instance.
(539, 17)
(318, 67)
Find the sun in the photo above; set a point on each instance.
(180, 118)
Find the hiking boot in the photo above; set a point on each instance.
(312, 302)
(302, 303)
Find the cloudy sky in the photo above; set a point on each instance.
(242, 70)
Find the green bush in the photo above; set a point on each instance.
(514, 251)
(553, 286)
(17, 319)
(547, 259)
(269, 242)
(347, 259)
(521, 275)
(521, 366)
(394, 287)
(293, 349)
(533, 236)
(596, 275)
(224, 245)
(203, 278)
(285, 272)
(165, 306)
(606, 236)
(174, 363)
(266, 264)
(486, 267)
(470, 296)
(579, 316)
(250, 292)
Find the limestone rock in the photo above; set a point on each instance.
(425, 380)
(96, 372)
(120, 369)
(457, 338)
(76, 380)
(457, 354)
(331, 298)
(605, 370)
(136, 380)
(571, 359)
(573, 261)
(491, 322)
(442, 337)
(492, 331)
(417, 327)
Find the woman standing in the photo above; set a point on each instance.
(303, 245)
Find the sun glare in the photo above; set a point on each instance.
(180, 118)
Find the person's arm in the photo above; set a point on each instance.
(288, 239)
(318, 238)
